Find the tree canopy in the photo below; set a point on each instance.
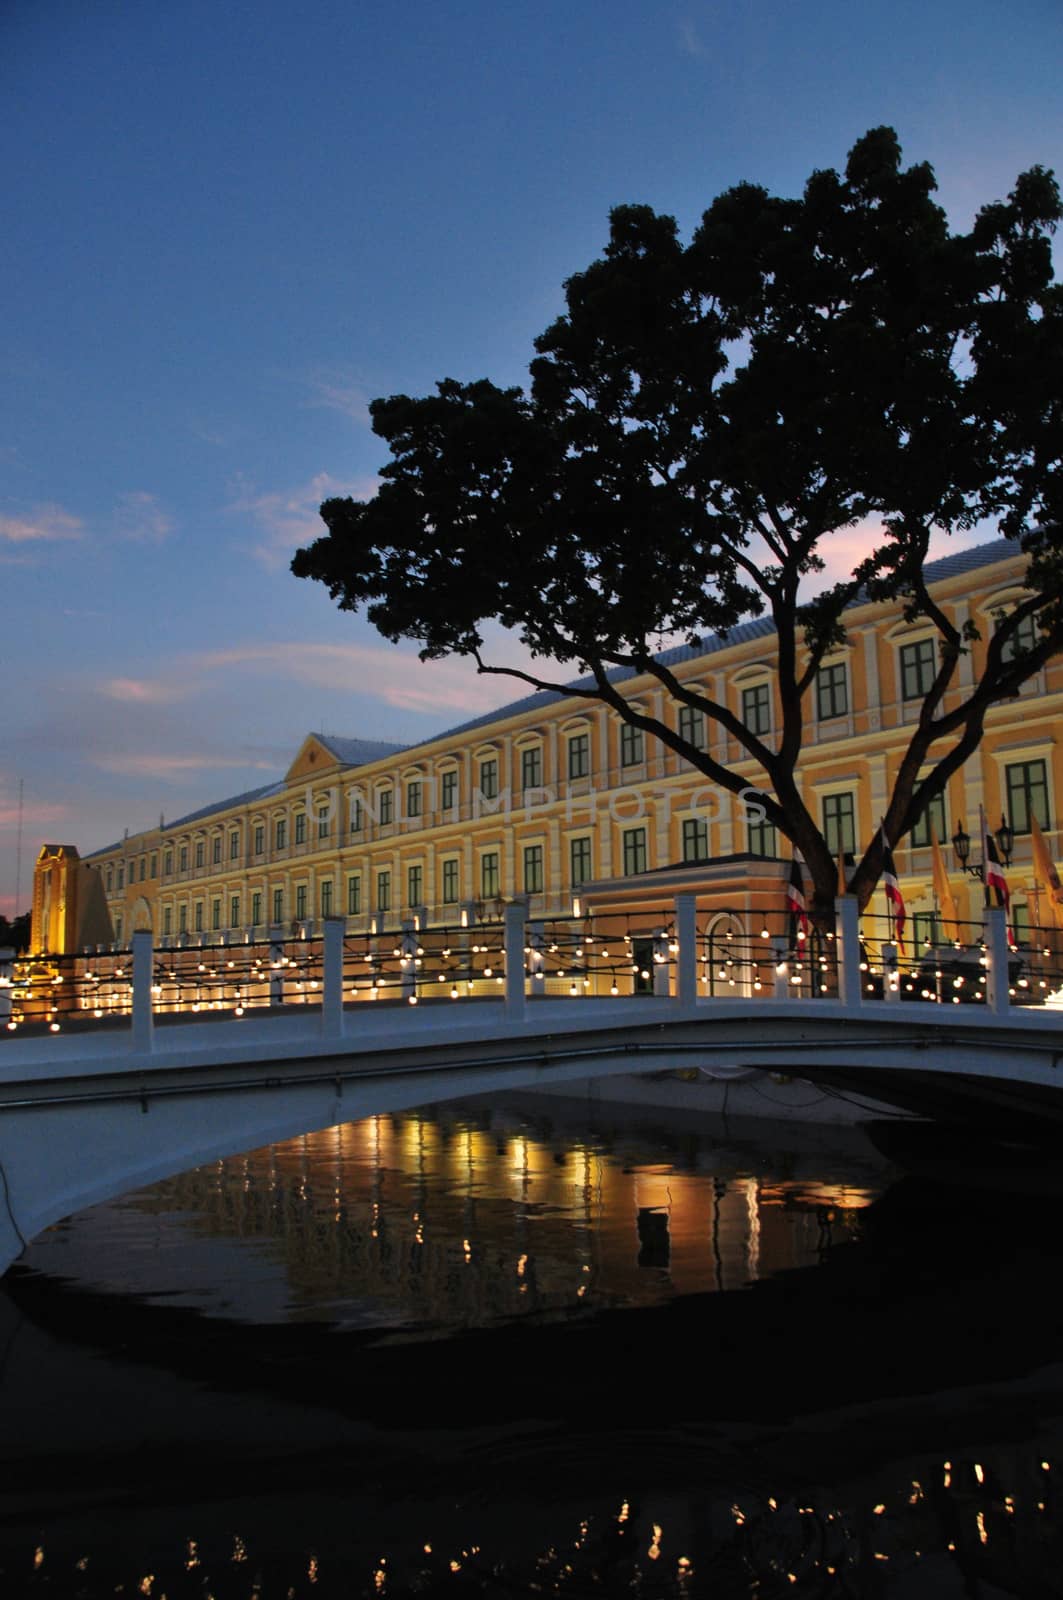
(701, 420)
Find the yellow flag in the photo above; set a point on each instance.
(1044, 869)
(841, 873)
(950, 917)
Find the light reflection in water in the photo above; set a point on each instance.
(462, 1218)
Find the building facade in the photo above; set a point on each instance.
(552, 796)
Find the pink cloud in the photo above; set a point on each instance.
(141, 518)
(169, 767)
(45, 522)
(287, 519)
(141, 691)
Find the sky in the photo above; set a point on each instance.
(228, 226)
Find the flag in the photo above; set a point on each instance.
(795, 902)
(996, 886)
(842, 889)
(950, 917)
(1045, 872)
(893, 891)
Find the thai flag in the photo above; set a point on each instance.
(795, 902)
(893, 892)
(996, 884)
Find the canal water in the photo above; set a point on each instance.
(541, 1347)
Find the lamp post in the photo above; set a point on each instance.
(1005, 843)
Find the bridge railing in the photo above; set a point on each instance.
(687, 953)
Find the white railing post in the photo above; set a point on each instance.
(686, 964)
(408, 960)
(143, 977)
(891, 979)
(661, 974)
(332, 978)
(515, 929)
(276, 965)
(996, 942)
(536, 959)
(847, 946)
(781, 949)
(7, 972)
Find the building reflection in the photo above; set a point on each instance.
(460, 1217)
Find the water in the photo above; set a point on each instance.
(531, 1349)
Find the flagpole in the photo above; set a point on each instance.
(889, 902)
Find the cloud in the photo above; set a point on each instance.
(141, 518)
(172, 767)
(690, 42)
(45, 522)
(142, 691)
(289, 518)
(384, 672)
(338, 391)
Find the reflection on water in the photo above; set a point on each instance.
(461, 1218)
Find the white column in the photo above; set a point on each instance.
(996, 941)
(276, 968)
(332, 978)
(847, 945)
(780, 947)
(143, 975)
(536, 959)
(7, 968)
(516, 923)
(660, 963)
(686, 932)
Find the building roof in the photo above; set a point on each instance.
(359, 752)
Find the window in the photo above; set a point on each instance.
(933, 817)
(215, 915)
(200, 852)
(634, 851)
(280, 833)
(110, 879)
(256, 909)
(579, 755)
(385, 806)
(198, 918)
(383, 891)
(326, 897)
(154, 869)
(692, 726)
(1027, 786)
(1020, 921)
(449, 791)
(182, 919)
(323, 822)
(234, 911)
(167, 920)
(415, 886)
(357, 814)
(1026, 637)
(354, 895)
(756, 708)
(118, 928)
(234, 845)
(182, 860)
(489, 881)
(832, 691)
(926, 930)
(215, 850)
(531, 767)
(450, 882)
(579, 860)
(121, 875)
(489, 778)
(300, 827)
(132, 872)
(167, 863)
(918, 668)
(839, 822)
(300, 901)
(695, 839)
(278, 905)
(632, 749)
(143, 867)
(413, 798)
(761, 840)
(533, 869)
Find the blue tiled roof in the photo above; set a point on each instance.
(358, 752)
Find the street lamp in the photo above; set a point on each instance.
(1005, 843)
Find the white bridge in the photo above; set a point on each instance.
(88, 1115)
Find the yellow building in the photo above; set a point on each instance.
(551, 796)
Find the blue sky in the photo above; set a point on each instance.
(226, 226)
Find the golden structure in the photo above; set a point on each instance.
(556, 799)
